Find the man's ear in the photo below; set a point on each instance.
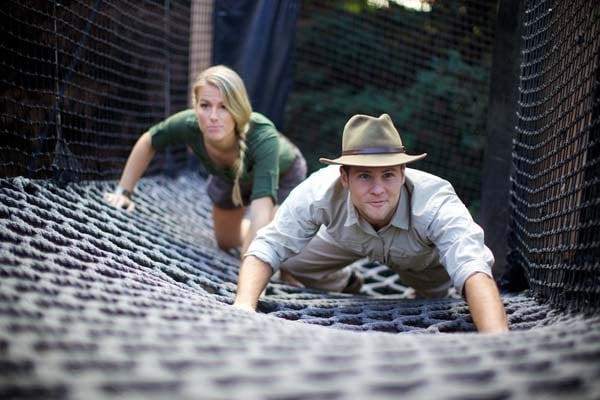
(403, 166)
(343, 177)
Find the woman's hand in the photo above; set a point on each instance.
(119, 201)
(138, 161)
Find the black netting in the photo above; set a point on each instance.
(555, 195)
(428, 68)
(81, 80)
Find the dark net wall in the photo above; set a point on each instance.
(82, 80)
(427, 68)
(555, 187)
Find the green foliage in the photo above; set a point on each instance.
(354, 58)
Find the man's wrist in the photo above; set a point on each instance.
(125, 192)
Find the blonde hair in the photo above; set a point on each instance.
(235, 99)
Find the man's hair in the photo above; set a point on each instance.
(346, 168)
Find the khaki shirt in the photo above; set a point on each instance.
(431, 226)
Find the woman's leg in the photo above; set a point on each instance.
(230, 226)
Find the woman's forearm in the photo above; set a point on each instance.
(261, 213)
(137, 163)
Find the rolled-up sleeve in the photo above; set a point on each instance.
(460, 241)
(296, 222)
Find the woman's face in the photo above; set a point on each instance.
(216, 122)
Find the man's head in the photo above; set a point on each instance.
(374, 191)
(372, 166)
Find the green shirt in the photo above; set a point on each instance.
(269, 153)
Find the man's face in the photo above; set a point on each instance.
(374, 191)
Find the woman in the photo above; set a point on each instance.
(248, 160)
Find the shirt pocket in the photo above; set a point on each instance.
(415, 259)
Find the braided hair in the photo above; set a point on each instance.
(235, 99)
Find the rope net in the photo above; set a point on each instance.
(82, 80)
(99, 303)
(555, 187)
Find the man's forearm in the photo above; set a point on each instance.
(253, 278)
(485, 304)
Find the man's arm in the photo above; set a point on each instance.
(485, 304)
(253, 278)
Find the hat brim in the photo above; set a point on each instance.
(373, 160)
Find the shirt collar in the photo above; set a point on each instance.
(351, 213)
(401, 218)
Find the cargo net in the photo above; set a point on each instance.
(82, 80)
(427, 67)
(555, 193)
(99, 303)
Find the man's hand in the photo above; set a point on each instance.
(244, 307)
(485, 304)
(252, 280)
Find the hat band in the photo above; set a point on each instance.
(374, 150)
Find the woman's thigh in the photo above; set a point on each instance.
(228, 226)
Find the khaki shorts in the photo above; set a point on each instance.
(324, 264)
(219, 189)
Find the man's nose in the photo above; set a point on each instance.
(377, 187)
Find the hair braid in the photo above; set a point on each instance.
(236, 195)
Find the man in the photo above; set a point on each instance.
(373, 206)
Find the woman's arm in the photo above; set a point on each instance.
(261, 213)
(136, 165)
(485, 304)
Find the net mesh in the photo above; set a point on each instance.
(82, 80)
(555, 187)
(99, 303)
(96, 302)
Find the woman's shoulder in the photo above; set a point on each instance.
(261, 130)
(187, 117)
(259, 119)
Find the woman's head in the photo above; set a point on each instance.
(233, 90)
(235, 100)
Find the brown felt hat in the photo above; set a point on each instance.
(372, 142)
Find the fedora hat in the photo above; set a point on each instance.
(372, 142)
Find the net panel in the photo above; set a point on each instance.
(82, 80)
(427, 68)
(555, 190)
(96, 302)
